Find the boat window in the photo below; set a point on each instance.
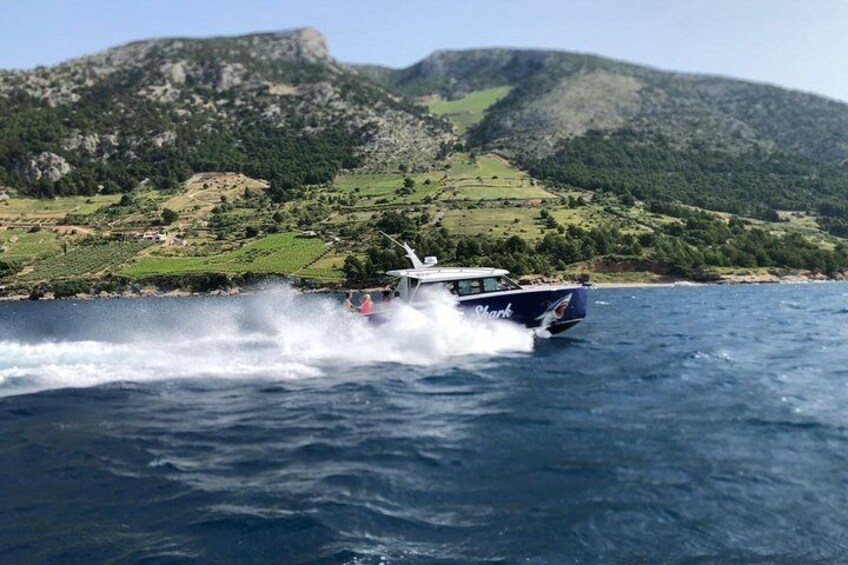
(470, 286)
(450, 286)
(491, 284)
(466, 287)
(507, 283)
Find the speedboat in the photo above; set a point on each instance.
(490, 293)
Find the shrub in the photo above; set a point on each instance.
(70, 287)
(8, 268)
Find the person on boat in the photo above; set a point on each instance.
(366, 305)
(386, 297)
(348, 303)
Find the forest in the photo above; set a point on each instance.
(649, 167)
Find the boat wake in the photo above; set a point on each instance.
(278, 334)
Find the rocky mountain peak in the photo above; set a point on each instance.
(307, 44)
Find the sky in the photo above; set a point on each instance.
(800, 44)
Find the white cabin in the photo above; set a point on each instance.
(459, 281)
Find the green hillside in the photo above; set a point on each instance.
(477, 210)
(205, 163)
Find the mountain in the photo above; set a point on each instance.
(559, 94)
(277, 106)
(274, 105)
(592, 122)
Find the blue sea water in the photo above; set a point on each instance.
(705, 424)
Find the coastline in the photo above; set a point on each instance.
(725, 281)
(535, 280)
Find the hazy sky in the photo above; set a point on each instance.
(801, 44)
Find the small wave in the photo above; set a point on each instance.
(720, 355)
(164, 463)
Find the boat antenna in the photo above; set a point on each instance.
(410, 252)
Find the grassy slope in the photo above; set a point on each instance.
(468, 110)
(204, 191)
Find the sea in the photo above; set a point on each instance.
(675, 425)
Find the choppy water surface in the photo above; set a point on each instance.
(675, 425)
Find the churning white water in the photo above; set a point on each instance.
(279, 334)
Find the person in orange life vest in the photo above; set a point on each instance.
(366, 306)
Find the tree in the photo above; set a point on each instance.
(169, 217)
(393, 222)
(111, 187)
(354, 270)
(408, 182)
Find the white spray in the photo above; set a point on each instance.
(279, 334)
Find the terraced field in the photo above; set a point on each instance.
(84, 260)
(487, 177)
(16, 209)
(282, 253)
(23, 246)
(326, 269)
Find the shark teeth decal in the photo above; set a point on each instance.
(555, 312)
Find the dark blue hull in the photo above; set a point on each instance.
(554, 309)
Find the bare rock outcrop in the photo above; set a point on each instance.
(84, 143)
(174, 72)
(306, 44)
(45, 165)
